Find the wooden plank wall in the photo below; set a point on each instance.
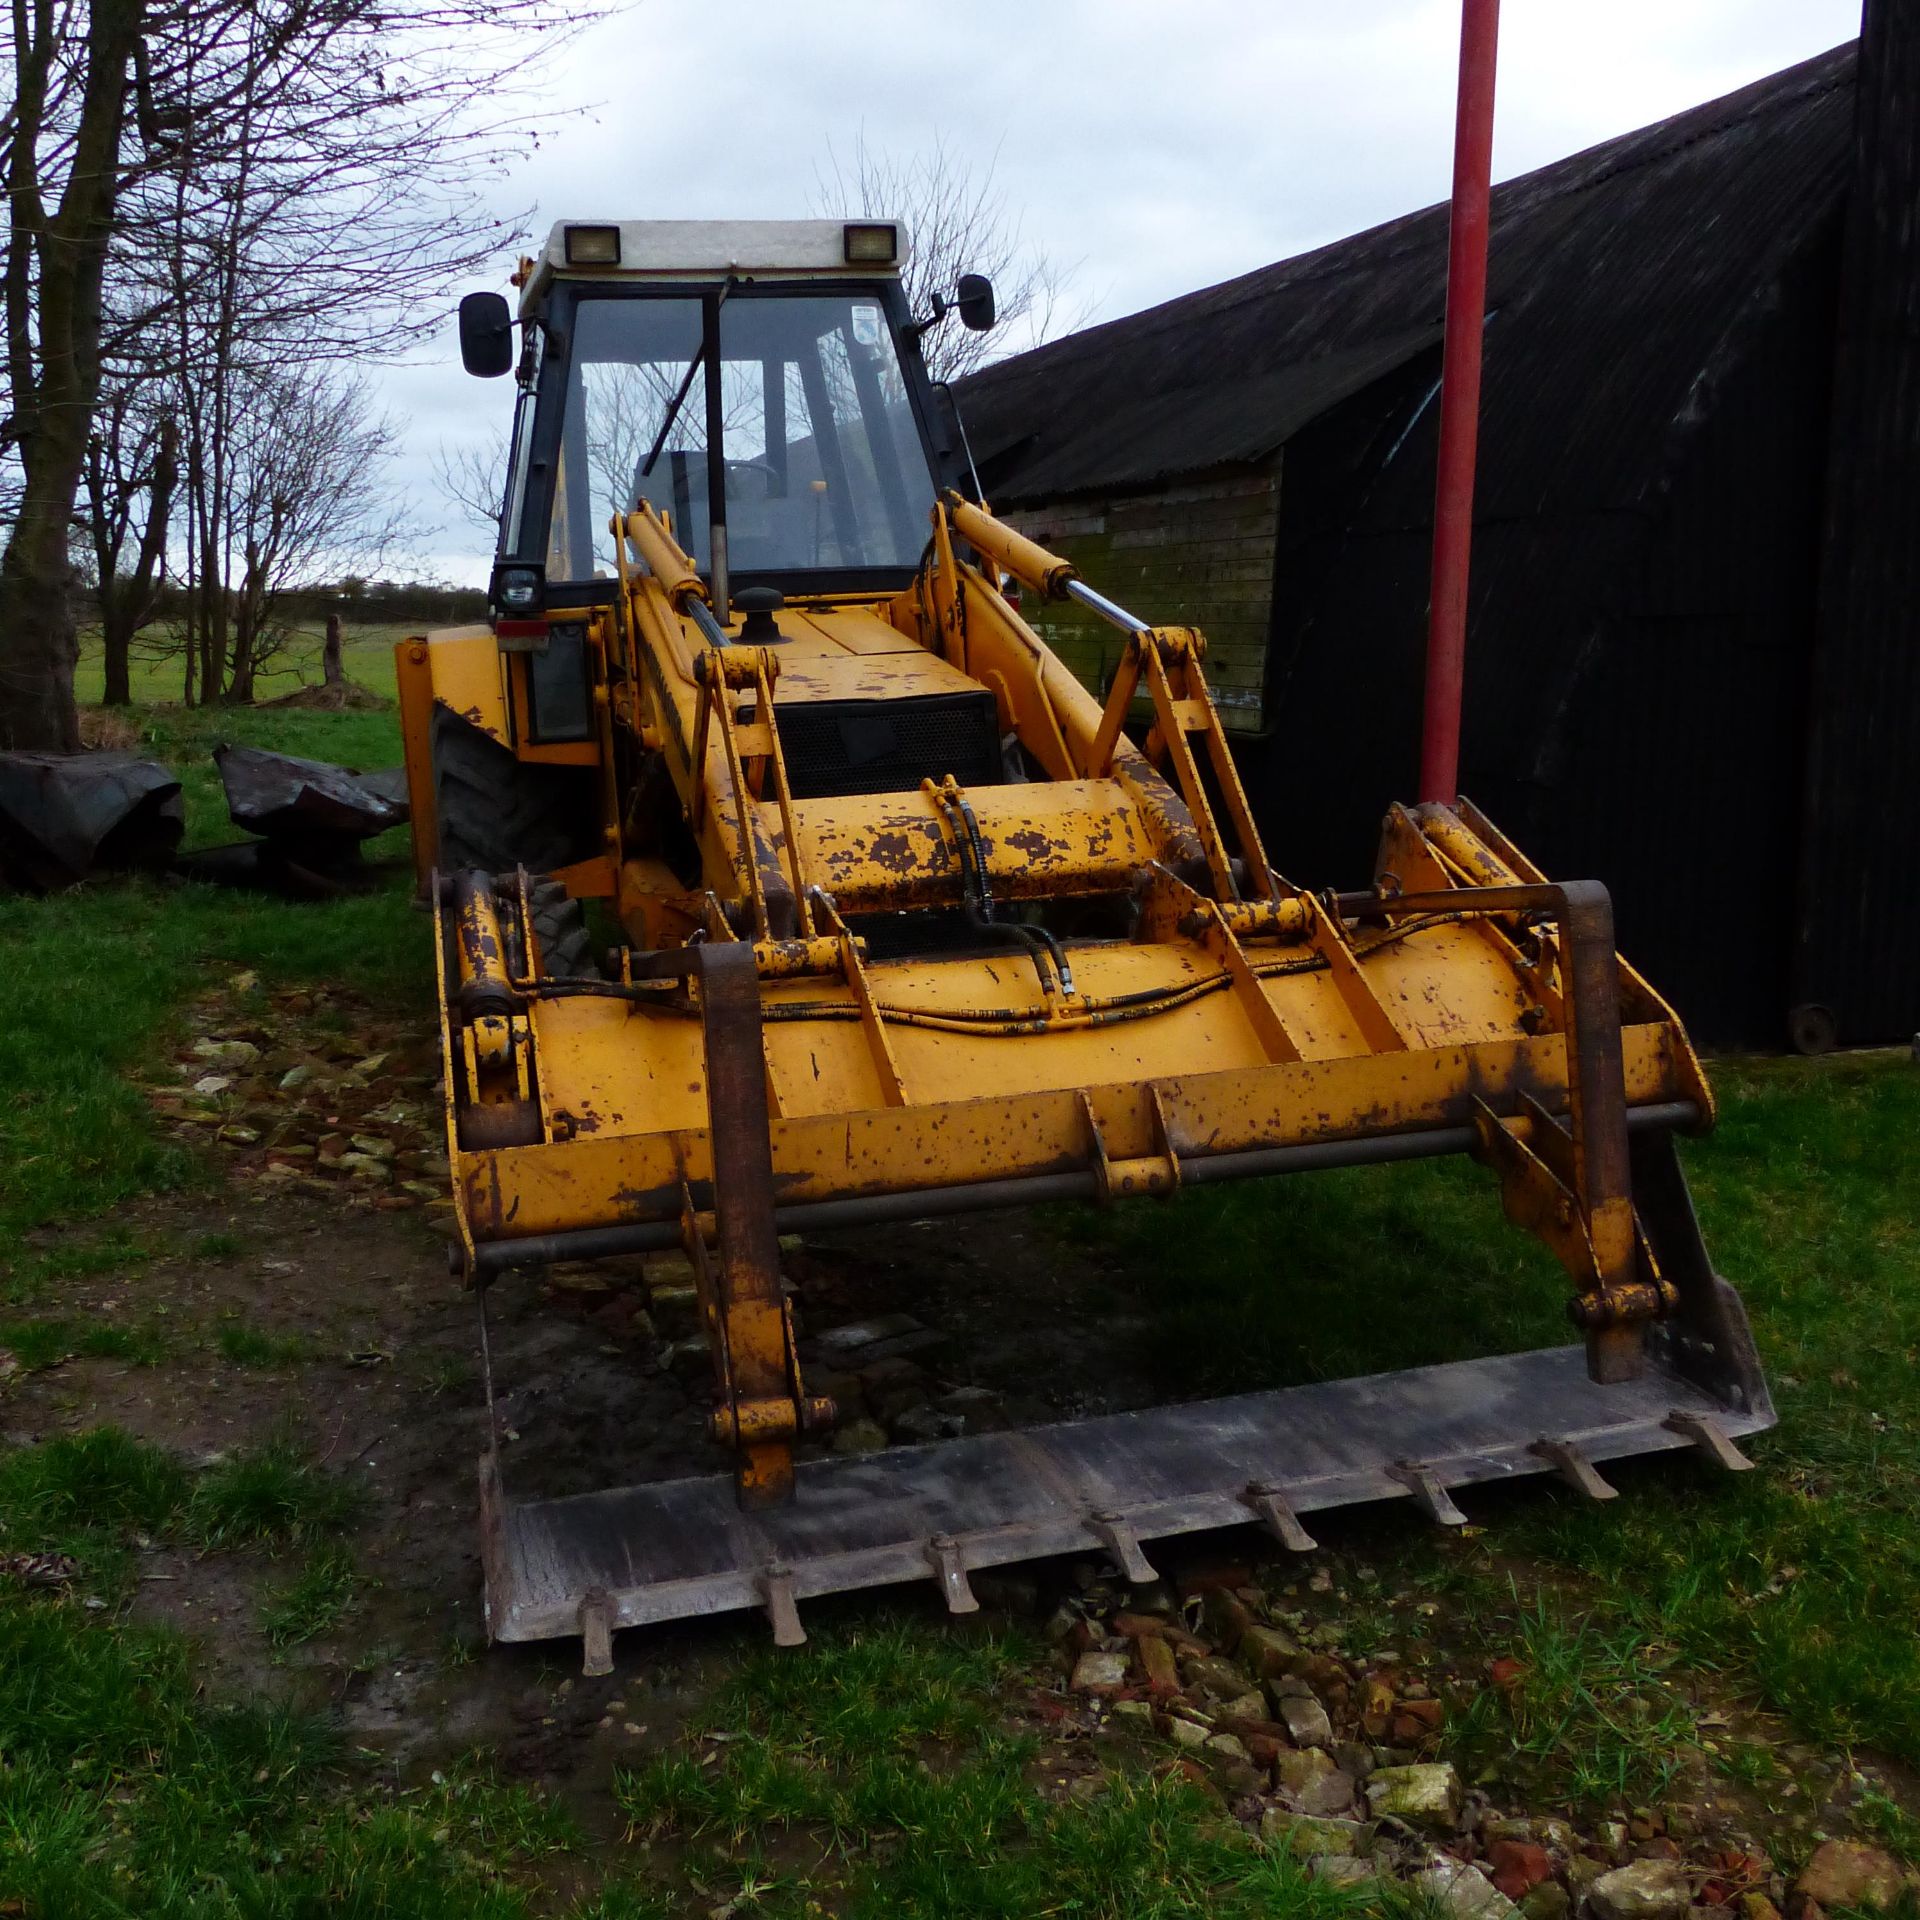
(1194, 555)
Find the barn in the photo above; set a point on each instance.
(1692, 671)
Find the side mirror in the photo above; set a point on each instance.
(486, 335)
(973, 296)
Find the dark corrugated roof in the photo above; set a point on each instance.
(1614, 276)
(1229, 421)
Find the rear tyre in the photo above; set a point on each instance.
(495, 813)
(560, 928)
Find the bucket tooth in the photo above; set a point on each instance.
(1710, 1437)
(1278, 1517)
(776, 1584)
(596, 1634)
(1429, 1494)
(951, 1571)
(1575, 1468)
(1120, 1541)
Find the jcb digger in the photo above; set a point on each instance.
(912, 923)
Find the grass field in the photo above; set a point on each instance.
(156, 672)
(892, 1769)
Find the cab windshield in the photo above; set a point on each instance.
(824, 467)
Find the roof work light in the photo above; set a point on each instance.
(593, 246)
(872, 243)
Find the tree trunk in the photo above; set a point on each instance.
(117, 644)
(332, 669)
(246, 631)
(54, 370)
(38, 641)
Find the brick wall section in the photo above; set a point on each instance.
(1199, 555)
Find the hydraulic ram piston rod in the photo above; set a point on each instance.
(1107, 610)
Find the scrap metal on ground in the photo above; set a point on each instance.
(63, 815)
(312, 818)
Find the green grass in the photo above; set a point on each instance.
(1891, 1824)
(873, 1775)
(81, 1487)
(246, 1346)
(1591, 1720)
(37, 1344)
(315, 1601)
(28, 1275)
(1786, 1577)
(128, 1795)
(98, 979)
(1783, 1580)
(270, 1497)
(98, 1479)
(1274, 1282)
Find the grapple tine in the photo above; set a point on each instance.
(1279, 1518)
(596, 1634)
(1575, 1468)
(1710, 1437)
(1120, 1540)
(951, 1571)
(1428, 1492)
(777, 1586)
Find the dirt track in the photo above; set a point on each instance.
(589, 1392)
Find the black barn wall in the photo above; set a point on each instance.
(1637, 658)
(1858, 925)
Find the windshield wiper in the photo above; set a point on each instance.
(679, 399)
(673, 414)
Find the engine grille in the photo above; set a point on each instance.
(890, 746)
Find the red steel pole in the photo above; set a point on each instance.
(1459, 402)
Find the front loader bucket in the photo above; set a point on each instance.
(681, 1548)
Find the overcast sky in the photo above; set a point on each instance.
(1152, 149)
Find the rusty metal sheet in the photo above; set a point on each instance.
(63, 814)
(683, 1547)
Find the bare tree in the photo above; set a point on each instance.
(71, 64)
(308, 497)
(133, 467)
(337, 214)
(242, 184)
(957, 221)
(473, 481)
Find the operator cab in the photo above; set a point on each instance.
(759, 383)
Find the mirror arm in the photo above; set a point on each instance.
(914, 329)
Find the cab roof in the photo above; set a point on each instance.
(673, 249)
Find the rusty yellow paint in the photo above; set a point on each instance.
(613, 1177)
(413, 682)
(466, 666)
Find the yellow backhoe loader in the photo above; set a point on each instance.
(914, 924)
